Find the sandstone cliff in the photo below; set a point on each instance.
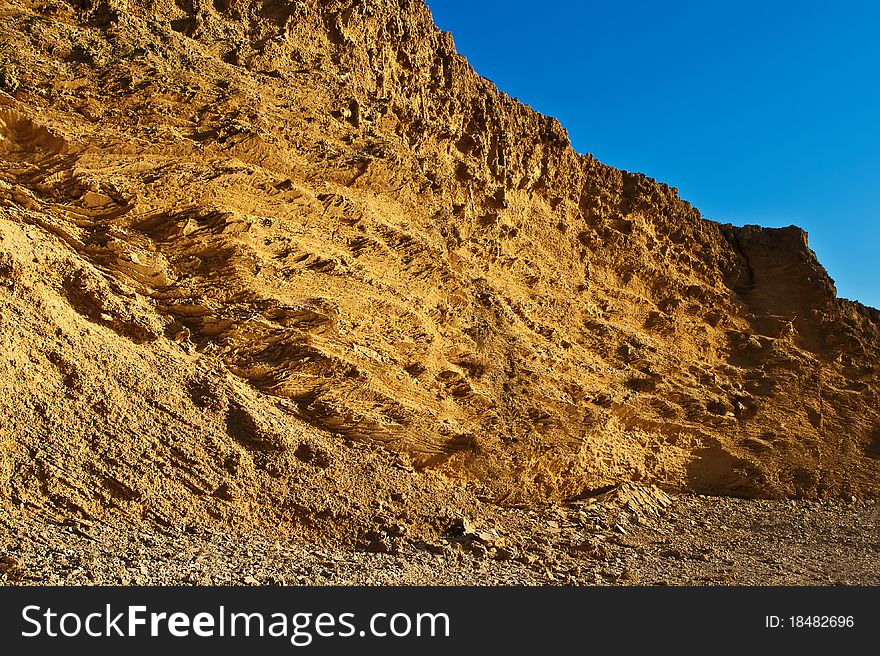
(265, 262)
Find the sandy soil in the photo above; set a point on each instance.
(694, 541)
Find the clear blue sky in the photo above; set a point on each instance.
(759, 112)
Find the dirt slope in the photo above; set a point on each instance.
(294, 265)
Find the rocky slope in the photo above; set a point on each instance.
(293, 266)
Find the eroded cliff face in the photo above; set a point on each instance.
(261, 257)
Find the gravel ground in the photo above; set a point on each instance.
(631, 536)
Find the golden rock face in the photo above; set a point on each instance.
(265, 262)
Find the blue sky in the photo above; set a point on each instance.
(759, 112)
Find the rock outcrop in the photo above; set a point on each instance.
(266, 262)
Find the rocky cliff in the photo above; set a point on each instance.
(271, 262)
